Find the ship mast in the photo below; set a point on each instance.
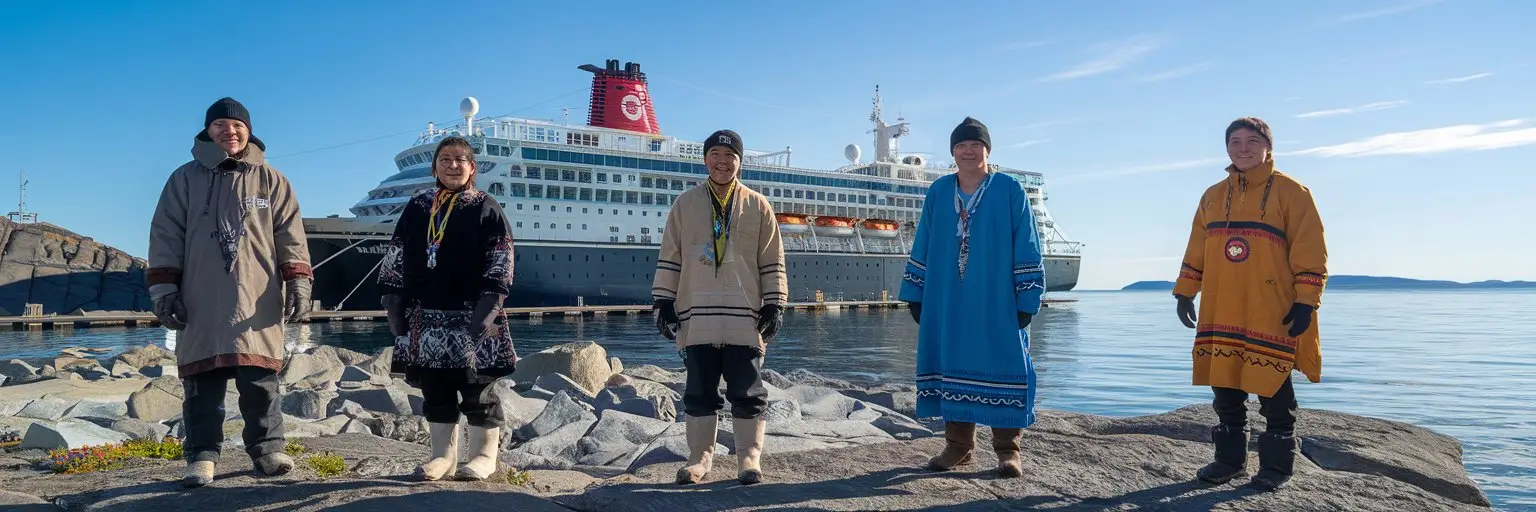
(886, 145)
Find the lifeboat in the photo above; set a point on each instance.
(792, 223)
(878, 228)
(834, 226)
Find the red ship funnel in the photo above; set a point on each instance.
(620, 98)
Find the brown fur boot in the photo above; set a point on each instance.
(1005, 441)
(960, 439)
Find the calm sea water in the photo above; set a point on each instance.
(1460, 363)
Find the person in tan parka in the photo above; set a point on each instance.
(228, 265)
(720, 287)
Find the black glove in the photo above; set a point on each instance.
(297, 305)
(394, 310)
(168, 307)
(1024, 319)
(916, 308)
(666, 318)
(1300, 318)
(1186, 311)
(487, 316)
(769, 318)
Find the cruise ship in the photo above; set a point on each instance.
(588, 204)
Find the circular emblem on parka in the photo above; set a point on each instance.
(1237, 249)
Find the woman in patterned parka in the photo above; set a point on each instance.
(444, 278)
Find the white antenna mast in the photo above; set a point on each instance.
(21, 215)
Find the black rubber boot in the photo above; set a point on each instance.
(1231, 454)
(1277, 454)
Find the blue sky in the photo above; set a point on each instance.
(1413, 121)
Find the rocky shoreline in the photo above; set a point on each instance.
(591, 434)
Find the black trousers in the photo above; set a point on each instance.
(742, 368)
(1279, 411)
(202, 410)
(447, 392)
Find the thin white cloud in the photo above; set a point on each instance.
(1019, 46)
(1178, 72)
(1462, 137)
(1369, 107)
(1054, 122)
(1400, 8)
(1459, 79)
(1145, 169)
(1112, 56)
(1028, 143)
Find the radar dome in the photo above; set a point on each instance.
(917, 160)
(852, 153)
(469, 107)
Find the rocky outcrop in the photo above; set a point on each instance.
(66, 272)
(830, 445)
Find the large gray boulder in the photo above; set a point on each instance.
(69, 433)
(585, 363)
(159, 400)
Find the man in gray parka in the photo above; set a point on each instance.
(228, 266)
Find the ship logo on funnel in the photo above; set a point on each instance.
(632, 107)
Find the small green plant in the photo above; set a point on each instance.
(294, 449)
(326, 464)
(519, 478)
(86, 459)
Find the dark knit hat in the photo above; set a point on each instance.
(724, 138)
(970, 129)
(228, 108)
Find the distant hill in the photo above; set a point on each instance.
(1373, 283)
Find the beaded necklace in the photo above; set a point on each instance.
(444, 202)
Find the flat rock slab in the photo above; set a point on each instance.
(1060, 473)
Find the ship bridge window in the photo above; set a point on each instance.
(567, 175)
(602, 177)
(585, 177)
(551, 175)
(647, 198)
(553, 192)
(602, 196)
(586, 195)
(519, 190)
(821, 196)
(645, 183)
(497, 189)
(536, 191)
(569, 193)
(632, 197)
(533, 173)
(663, 199)
(799, 194)
(677, 184)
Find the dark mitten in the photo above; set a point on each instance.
(1186, 311)
(769, 319)
(1300, 318)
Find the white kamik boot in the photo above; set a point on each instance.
(701, 448)
(445, 451)
(485, 447)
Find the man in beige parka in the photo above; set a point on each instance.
(228, 266)
(719, 289)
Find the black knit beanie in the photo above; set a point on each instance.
(228, 108)
(724, 138)
(970, 129)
